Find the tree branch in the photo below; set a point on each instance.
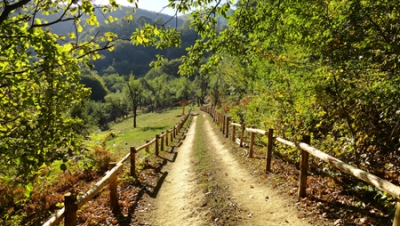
(8, 8)
(106, 46)
(60, 19)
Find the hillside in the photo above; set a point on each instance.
(126, 58)
(64, 27)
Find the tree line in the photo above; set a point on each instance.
(115, 97)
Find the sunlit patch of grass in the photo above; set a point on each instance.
(148, 125)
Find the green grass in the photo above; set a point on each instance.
(148, 125)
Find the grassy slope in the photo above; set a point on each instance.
(148, 125)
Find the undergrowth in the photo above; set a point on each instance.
(31, 205)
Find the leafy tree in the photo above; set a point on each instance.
(97, 112)
(183, 89)
(343, 54)
(200, 85)
(133, 92)
(96, 84)
(40, 81)
(162, 92)
(116, 106)
(114, 82)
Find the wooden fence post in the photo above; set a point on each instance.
(213, 114)
(175, 131)
(166, 138)
(227, 126)
(162, 141)
(269, 149)
(70, 209)
(303, 169)
(113, 188)
(233, 131)
(396, 220)
(251, 149)
(223, 124)
(147, 147)
(156, 143)
(133, 166)
(242, 135)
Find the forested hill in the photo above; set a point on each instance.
(67, 26)
(125, 58)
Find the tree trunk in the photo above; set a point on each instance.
(134, 115)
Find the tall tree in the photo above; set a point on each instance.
(133, 91)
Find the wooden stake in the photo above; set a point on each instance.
(113, 188)
(269, 149)
(156, 144)
(70, 209)
(147, 147)
(213, 114)
(227, 126)
(166, 138)
(303, 169)
(162, 141)
(396, 220)
(133, 166)
(233, 131)
(251, 149)
(223, 124)
(175, 131)
(242, 135)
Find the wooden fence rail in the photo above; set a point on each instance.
(305, 149)
(72, 203)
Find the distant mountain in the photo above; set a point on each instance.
(63, 28)
(125, 58)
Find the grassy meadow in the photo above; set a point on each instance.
(125, 136)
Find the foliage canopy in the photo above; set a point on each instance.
(40, 80)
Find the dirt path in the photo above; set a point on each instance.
(264, 205)
(181, 201)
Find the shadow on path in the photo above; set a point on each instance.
(145, 188)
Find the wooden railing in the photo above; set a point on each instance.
(305, 149)
(72, 203)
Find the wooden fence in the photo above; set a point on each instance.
(72, 203)
(304, 147)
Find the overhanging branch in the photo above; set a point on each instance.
(9, 8)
